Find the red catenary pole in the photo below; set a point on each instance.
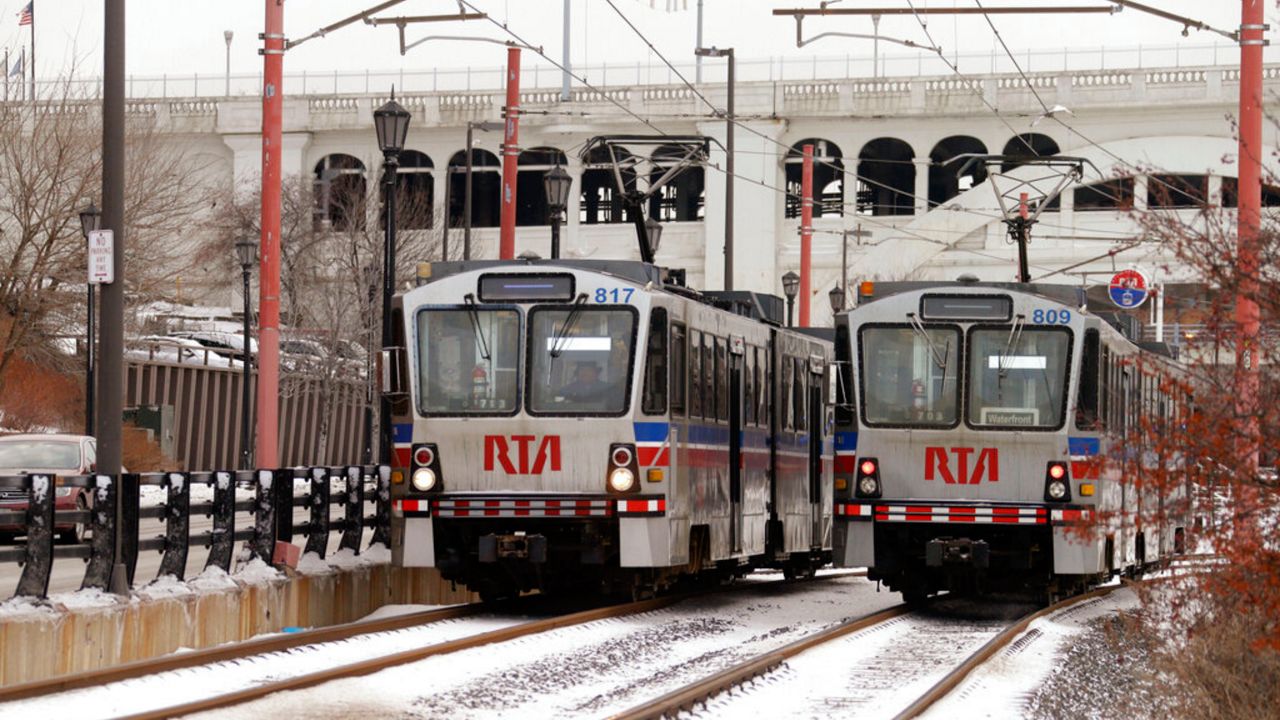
(1247, 316)
(806, 234)
(269, 278)
(510, 156)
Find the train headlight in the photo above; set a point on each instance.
(868, 486)
(1057, 490)
(622, 479)
(424, 479)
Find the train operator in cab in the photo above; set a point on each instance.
(587, 389)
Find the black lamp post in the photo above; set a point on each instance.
(391, 122)
(790, 286)
(89, 219)
(836, 297)
(247, 254)
(557, 184)
(653, 229)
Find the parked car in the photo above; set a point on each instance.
(183, 351)
(54, 454)
(228, 345)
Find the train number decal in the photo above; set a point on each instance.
(1052, 316)
(545, 455)
(613, 295)
(937, 464)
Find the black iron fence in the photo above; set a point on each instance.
(272, 508)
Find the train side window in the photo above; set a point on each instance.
(749, 387)
(695, 374)
(1087, 397)
(722, 380)
(758, 373)
(1104, 389)
(654, 401)
(784, 394)
(801, 395)
(709, 377)
(679, 378)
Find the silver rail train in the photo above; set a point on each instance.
(596, 425)
(981, 432)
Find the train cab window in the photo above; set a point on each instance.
(909, 377)
(654, 401)
(695, 374)
(1104, 389)
(679, 377)
(784, 395)
(1087, 397)
(468, 361)
(757, 399)
(799, 394)
(749, 387)
(1017, 379)
(722, 381)
(709, 377)
(766, 389)
(843, 377)
(580, 359)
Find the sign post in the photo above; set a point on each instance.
(1129, 289)
(102, 244)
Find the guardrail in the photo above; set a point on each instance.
(272, 507)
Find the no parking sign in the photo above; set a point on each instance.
(1128, 289)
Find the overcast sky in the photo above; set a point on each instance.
(180, 37)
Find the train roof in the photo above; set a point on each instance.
(763, 307)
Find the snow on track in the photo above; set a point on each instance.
(588, 670)
(875, 672)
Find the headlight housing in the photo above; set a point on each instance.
(622, 479)
(868, 478)
(1057, 482)
(423, 479)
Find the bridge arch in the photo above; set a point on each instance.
(1028, 145)
(486, 188)
(340, 191)
(531, 193)
(828, 178)
(944, 167)
(886, 177)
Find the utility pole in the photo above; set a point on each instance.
(110, 405)
(227, 35)
(875, 46)
(1020, 233)
(1247, 316)
(727, 53)
(564, 88)
(697, 73)
(268, 417)
(510, 158)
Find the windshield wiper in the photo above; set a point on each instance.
(1015, 333)
(474, 315)
(939, 358)
(561, 335)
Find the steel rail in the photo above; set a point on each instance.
(234, 651)
(372, 665)
(957, 675)
(701, 690)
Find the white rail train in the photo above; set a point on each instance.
(596, 425)
(981, 442)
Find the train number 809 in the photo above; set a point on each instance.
(1051, 317)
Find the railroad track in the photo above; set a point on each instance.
(259, 684)
(701, 691)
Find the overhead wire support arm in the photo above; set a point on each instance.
(362, 15)
(1186, 22)
(1011, 10)
(801, 41)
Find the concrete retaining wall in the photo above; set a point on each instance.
(42, 642)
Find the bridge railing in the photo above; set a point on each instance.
(362, 496)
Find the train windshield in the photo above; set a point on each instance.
(910, 375)
(1017, 378)
(468, 361)
(580, 360)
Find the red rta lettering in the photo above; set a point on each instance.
(497, 454)
(937, 464)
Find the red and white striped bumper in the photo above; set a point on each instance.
(521, 507)
(642, 506)
(962, 514)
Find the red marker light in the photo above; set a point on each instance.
(423, 457)
(1057, 471)
(868, 467)
(621, 457)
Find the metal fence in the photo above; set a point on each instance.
(272, 509)
(536, 75)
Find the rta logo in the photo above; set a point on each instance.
(497, 451)
(937, 462)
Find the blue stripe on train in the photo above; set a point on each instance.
(1083, 446)
(846, 441)
(651, 431)
(402, 433)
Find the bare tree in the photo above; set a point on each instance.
(50, 168)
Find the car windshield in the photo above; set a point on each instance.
(468, 361)
(39, 454)
(1017, 378)
(580, 360)
(910, 375)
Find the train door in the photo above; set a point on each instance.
(737, 348)
(816, 420)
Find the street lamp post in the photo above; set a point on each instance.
(247, 254)
(728, 161)
(790, 286)
(391, 122)
(227, 35)
(653, 231)
(89, 219)
(836, 298)
(557, 183)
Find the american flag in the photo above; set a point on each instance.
(26, 16)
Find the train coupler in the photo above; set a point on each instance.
(517, 546)
(940, 552)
